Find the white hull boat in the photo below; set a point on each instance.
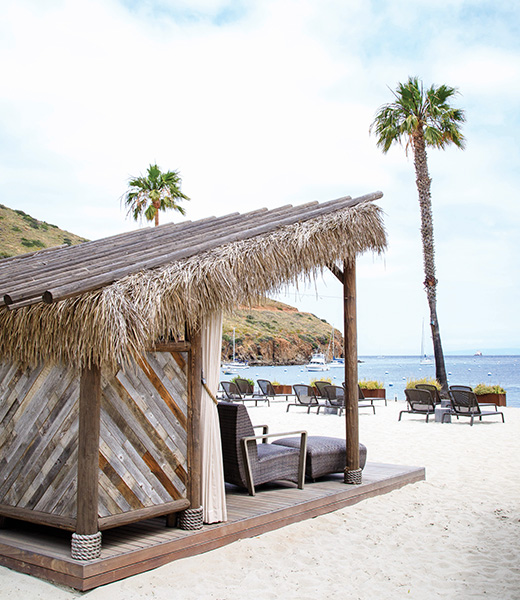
(317, 363)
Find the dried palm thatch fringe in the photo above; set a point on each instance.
(107, 326)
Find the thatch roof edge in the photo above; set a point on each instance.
(106, 326)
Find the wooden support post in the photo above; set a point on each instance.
(86, 542)
(192, 517)
(352, 470)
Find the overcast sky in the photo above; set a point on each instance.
(268, 102)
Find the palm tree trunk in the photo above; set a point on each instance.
(157, 206)
(423, 182)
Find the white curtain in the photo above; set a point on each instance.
(213, 489)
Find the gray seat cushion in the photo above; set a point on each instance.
(324, 454)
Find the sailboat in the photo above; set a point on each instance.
(335, 362)
(234, 365)
(425, 360)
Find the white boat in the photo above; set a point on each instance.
(317, 363)
(234, 365)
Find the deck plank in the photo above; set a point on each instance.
(128, 550)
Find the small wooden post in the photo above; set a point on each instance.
(86, 542)
(352, 470)
(191, 518)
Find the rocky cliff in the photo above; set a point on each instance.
(277, 334)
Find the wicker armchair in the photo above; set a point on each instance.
(420, 402)
(248, 463)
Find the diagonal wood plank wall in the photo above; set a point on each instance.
(143, 441)
(143, 435)
(39, 438)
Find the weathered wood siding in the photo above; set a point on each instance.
(144, 435)
(39, 438)
(143, 439)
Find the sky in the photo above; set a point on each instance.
(262, 103)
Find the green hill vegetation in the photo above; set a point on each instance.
(21, 233)
(276, 333)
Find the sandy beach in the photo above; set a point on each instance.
(455, 535)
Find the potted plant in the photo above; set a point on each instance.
(280, 388)
(411, 383)
(490, 394)
(376, 388)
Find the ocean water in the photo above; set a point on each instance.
(394, 371)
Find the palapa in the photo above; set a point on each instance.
(124, 293)
(106, 422)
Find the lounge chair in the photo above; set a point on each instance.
(305, 396)
(429, 387)
(248, 463)
(233, 394)
(362, 401)
(267, 390)
(335, 398)
(370, 399)
(420, 402)
(320, 387)
(244, 387)
(465, 388)
(465, 404)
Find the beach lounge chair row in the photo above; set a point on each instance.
(320, 395)
(328, 396)
(463, 402)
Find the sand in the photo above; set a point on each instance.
(454, 536)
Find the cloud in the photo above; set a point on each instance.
(265, 103)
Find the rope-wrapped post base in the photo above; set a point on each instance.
(190, 519)
(85, 547)
(354, 477)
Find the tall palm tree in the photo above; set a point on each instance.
(423, 118)
(157, 191)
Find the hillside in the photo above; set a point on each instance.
(21, 233)
(277, 334)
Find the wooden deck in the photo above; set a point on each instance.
(45, 552)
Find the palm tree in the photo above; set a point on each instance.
(157, 191)
(423, 118)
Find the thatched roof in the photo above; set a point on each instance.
(102, 300)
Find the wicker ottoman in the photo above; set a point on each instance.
(324, 454)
